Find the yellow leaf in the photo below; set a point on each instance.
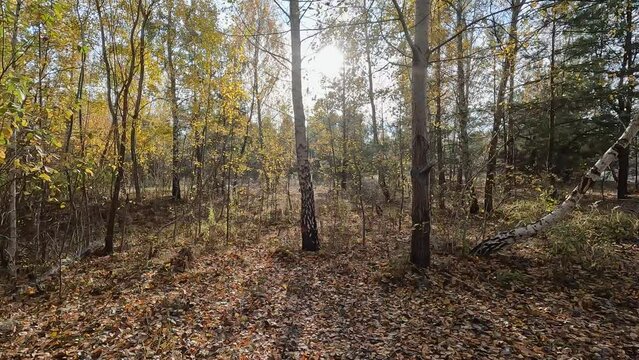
(6, 132)
(45, 177)
(88, 171)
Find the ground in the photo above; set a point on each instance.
(267, 299)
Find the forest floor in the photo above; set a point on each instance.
(264, 299)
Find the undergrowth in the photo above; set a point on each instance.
(587, 237)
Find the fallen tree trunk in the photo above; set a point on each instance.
(507, 238)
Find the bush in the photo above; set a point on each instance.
(588, 238)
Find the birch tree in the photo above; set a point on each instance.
(308, 224)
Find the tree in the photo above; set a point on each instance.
(625, 97)
(510, 53)
(381, 173)
(170, 67)
(16, 102)
(462, 97)
(308, 224)
(138, 101)
(420, 166)
(118, 84)
(550, 163)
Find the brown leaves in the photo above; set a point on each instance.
(245, 303)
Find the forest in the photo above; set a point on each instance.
(318, 179)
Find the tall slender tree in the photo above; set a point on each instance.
(170, 67)
(118, 85)
(420, 165)
(510, 51)
(626, 96)
(308, 224)
(379, 163)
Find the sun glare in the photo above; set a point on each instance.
(328, 61)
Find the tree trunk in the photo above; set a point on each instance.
(420, 167)
(175, 174)
(308, 224)
(636, 164)
(494, 138)
(379, 155)
(12, 243)
(439, 127)
(622, 178)
(625, 102)
(506, 238)
(400, 178)
(550, 163)
(462, 103)
(136, 110)
(500, 106)
(420, 170)
(510, 126)
(115, 108)
(344, 170)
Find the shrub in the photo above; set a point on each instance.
(588, 238)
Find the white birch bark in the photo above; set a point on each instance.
(507, 238)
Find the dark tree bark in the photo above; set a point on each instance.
(420, 169)
(344, 169)
(622, 178)
(138, 105)
(170, 38)
(12, 241)
(308, 224)
(625, 101)
(462, 102)
(636, 164)
(464, 175)
(550, 163)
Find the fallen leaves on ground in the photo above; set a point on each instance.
(263, 301)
